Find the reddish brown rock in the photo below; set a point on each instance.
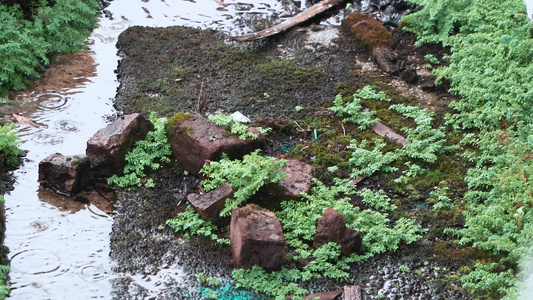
(66, 175)
(299, 179)
(353, 292)
(209, 205)
(367, 30)
(332, 228)
(333, 295)
(107, 148)
(256, 238)
(197, 140)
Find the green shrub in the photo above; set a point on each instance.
(147, 154)
(491, 69)
(245, 176)
(9, 145)
(26, 44)
(236, 127)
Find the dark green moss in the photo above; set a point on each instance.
(175, 121)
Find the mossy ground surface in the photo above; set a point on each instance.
(162, 70)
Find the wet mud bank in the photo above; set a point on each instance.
(169, 70)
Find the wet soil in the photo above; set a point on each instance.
(163, 70)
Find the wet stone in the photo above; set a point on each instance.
(107, 148)
(209, 205)
(256, 238)
(352, 292)
(198, 140)
(66, 175)
(299, 179)
(331, 227)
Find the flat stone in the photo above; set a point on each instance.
(107, 148)
(66, 175)
(299, 179)
(353, 292)
(256, 238)
(210, 204)
(197, 140)
(331, 227)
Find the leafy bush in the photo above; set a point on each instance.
(245, 176)
(190, 222)
(9, 145)
(146, 154)
(353, 111)
(4, 289)
(236, 127)
(25, 45)
(299, 220)
(491, 68)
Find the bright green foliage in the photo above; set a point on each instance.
(146, 154)
(9, 145)
(25, 45)
(378, 200)
(281, 283)
(353, 111)
(440, 197)
(190, 222)
(424, 141)
(299, 220)
(491, 68)
(236, 127)
(245, 176)
(365, 161)
(68, 23)
(368, 92)
(4, 289)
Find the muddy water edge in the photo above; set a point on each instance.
(60, 246)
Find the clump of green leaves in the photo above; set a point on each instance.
(4, 289)
(25, 44)
(245, 176)
(9, 145)
(299, 220)
(423, 142)
(236, 127)
(491, 68)
(368, 157)
(147, 154)
(190, 222)
(353, 111)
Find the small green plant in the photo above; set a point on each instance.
(353, 111)
(26, 44)
(9, 145)
(367, 159)
(245, 176)
(146, 154)
(432, 59)
(236, 127)
(404, 268)
(298, 108)
(4, 289)
(190, 222)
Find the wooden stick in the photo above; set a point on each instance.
(289, 23)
